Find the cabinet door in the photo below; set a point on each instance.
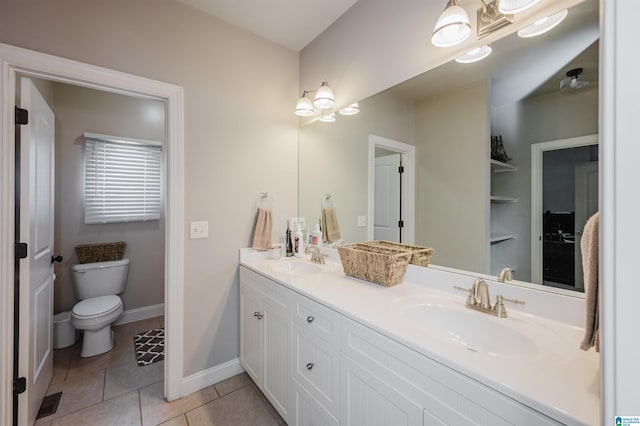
(367, 400)
(308, 411)
(250, 334)
(277, 356)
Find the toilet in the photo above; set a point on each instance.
(98, 285)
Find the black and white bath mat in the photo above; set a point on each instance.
(149, 346)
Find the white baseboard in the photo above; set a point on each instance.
(213, 375)
(138, 314)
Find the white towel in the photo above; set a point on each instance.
(589, 247)
(262, 232)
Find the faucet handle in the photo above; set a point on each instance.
(499, 309)
(514, 301)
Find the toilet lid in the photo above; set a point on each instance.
(97, 306)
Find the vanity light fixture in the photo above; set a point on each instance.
(515, 6)
(352, 109)
(475, 55)
(304, 107)
(328, 118)
(452, 27)
(543, 25)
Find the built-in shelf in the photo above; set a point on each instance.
(502, 199)
(499, 237)
(500, 167)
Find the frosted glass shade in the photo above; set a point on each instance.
(475, 55)
(324, 97)
(352, 109)
(329, 118)
(452, 27)
(543, 25)
(304, 107)
(509, 7)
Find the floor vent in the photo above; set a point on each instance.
(49, 405)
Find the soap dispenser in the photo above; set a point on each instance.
(316, 235)
(298, 242)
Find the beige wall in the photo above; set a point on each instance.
(452, 151)
(80, 110)
(334, 159)
(240, 133)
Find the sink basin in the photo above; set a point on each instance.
(294, 267)
(475, 331)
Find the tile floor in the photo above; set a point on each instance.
(111, 389)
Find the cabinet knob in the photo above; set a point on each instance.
(258, 315)
(310, 319)
(309, 366)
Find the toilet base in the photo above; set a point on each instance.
(96, 342)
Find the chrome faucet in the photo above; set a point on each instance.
(506, 274)
(316, 256)
(479, 299)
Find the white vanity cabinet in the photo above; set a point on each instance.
(265, 337)
(320, 367)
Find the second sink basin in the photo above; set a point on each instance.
(477, 332)
(296, 267)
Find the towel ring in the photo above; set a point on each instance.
(328, 202)
(264, 201)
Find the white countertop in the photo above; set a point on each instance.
(553, 376)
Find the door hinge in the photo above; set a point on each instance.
(21, 251)
(22, 116)
(401, 224)
(401, 169)
(19, 385)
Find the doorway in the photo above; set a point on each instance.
(564, 179)
(17, 61)
(391, 190)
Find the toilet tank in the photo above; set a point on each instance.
(100, 278)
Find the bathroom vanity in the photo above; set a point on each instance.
(327, 349)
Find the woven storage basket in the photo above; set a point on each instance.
(103, 252)
(421, 254)
(380, 265)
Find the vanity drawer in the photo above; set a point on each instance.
(309, 411)
(316, 366)
(317, 319)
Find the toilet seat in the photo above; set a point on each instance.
(96, 307)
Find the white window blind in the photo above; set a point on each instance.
(122, 179)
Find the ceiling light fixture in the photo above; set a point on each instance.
(543, 25)
(491, 19)
(352, 109)
(515, 6)
(452, 27)
(475, 55)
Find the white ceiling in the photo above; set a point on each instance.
(291, 23)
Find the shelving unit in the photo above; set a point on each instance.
(500, 167)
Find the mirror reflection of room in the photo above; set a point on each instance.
(476, 215)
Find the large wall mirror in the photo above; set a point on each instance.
(479, 215)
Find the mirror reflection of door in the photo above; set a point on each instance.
(569, 198)
(387, 198)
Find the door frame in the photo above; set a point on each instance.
(408, 153)
(14, 61)
(537, 151)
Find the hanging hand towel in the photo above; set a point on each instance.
(262, 232)
(589, 248)
(330, 228)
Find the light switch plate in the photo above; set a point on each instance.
(362, 221)
(198, 230)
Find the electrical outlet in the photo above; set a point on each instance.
(362, 221)
(198, 230)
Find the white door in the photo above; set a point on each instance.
(386, 198)
(36, 271)
(586, 205)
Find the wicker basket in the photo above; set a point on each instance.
(103, 252)
(421, 254)
(380, 265)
